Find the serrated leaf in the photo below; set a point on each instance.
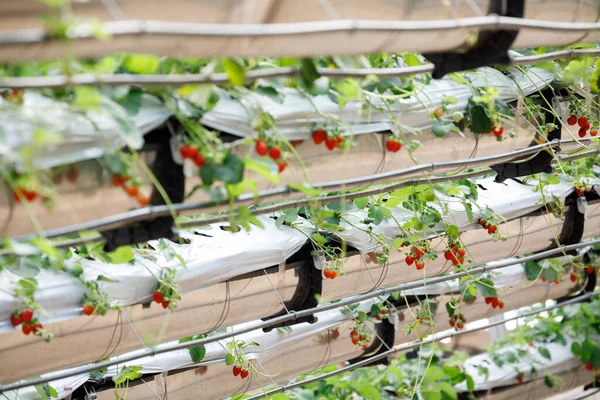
(447, 390)
(479, 117)
(452, 231)
(132, 102)
(544, 352)
(361, 202)
(197, 353)
(318, 238)
(486, 288)
(121, 255)
(412, 60)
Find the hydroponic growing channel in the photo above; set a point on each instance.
(283, 199)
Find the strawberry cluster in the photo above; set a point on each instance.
(331, 141)
(360, 339)
(262, 149)
(414, 256)
(380, 314)
(191, 152)
(26, 320)
(581, 189)
(243, 373)
(458, 321)
(495, 302)
(160, 298)
(131, 187)
(455, 254)
(584, 125)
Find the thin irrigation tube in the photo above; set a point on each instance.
(290, 316)
(147, 213)
(175, 80)
(414, 344)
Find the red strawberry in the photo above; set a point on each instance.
(72, 174)
(462, 252)
(520, 378)
(495, 302)
(460, 325)
(143, 200)
(573, 277)
(500, 304)
(557, 281)
(236, 370)
(492, 229)
(439, 112)
(244, 374)
(451, 322)
(353, 333)
(390, 145)
(261, 148)
(354, 340)
(364, 346)
(188, 151)
(339, 139)
(582, 132)
(15, 320)
(88, 309)
(115, 180)
(165, 304)
(330, 143)
(590, 269)
(572, 120)
(409, 260)
(497, 130)
(420, 265)
(582, 121)
(26, 329)
(132, 191)
(418, 252)
(36, 327)
(158, 296)
(27, 315)
(281, 166)
(199, 160)
(593, 133)
(589, 367)
(578, 191)
(488, 300)
(275, 153)
(319, 136)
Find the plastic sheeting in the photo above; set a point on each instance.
(561, 360)
(215, 352)
(214, 256)
(217, 255)
(82, 135)
(296, 116)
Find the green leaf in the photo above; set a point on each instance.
(264, 167)
(447, 390)
(433, 373)
(98, 374)
(431, 395)
(132, 102)
(576, 348)
(231, 171)
(127, 129)
(548, 381)
(412, 60)
(308, 72)
(87, 98)
(142, 63)
(121, 255)
(361, 202)
(318, 238)
(127, 374)
(235, 72)
(441, 129)
(197, 353)
(452, 231)
(544, 353)
(27, 286)
(27, 267)
(102, 278)
(228, 359)
(270, 92)
(532, 270)
(470, 383)
(46, 391)
(196, 94)
(479, 117)
(486, 288)
(369, 392)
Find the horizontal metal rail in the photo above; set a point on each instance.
(290, 316)
(418, 343)
(175, 80)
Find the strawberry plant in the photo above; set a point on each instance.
(168, 291)
(236, 356)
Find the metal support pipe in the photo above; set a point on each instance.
(418, 343)
(292, 315)
(176, 80)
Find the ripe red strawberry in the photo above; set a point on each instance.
(557, 281)
(590, 269)
(497, 130)
(364, 346)
(72, 174)
(132, 191)
(244, 374)
(115, 180)
(26, 329)
(418, 252)
(261, 148)
(199, 160)
(589, 367)
(462, 252)
(236, 370)
(390, 145)
(593, 133)
(460, 325)
(330, 143)
(27, 315)
(339, 139)
(420, 265)
(281, 166)
(578, 191)
(582, 121)
(88, 309)
(353, 333)
(572, 120)
(495, 302)
(451, 322)
(143, 200)
(158, 296)
(488, 300)
(36, 327)
(520, 378)
(492, 229)
(275, 153)
(188, 151)
(378, 317)
(500, 304)
(165, 304)
(409, 260)
(573, 277)
(15, 320)
(354, 340)
(582, 132)
(319, 136)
